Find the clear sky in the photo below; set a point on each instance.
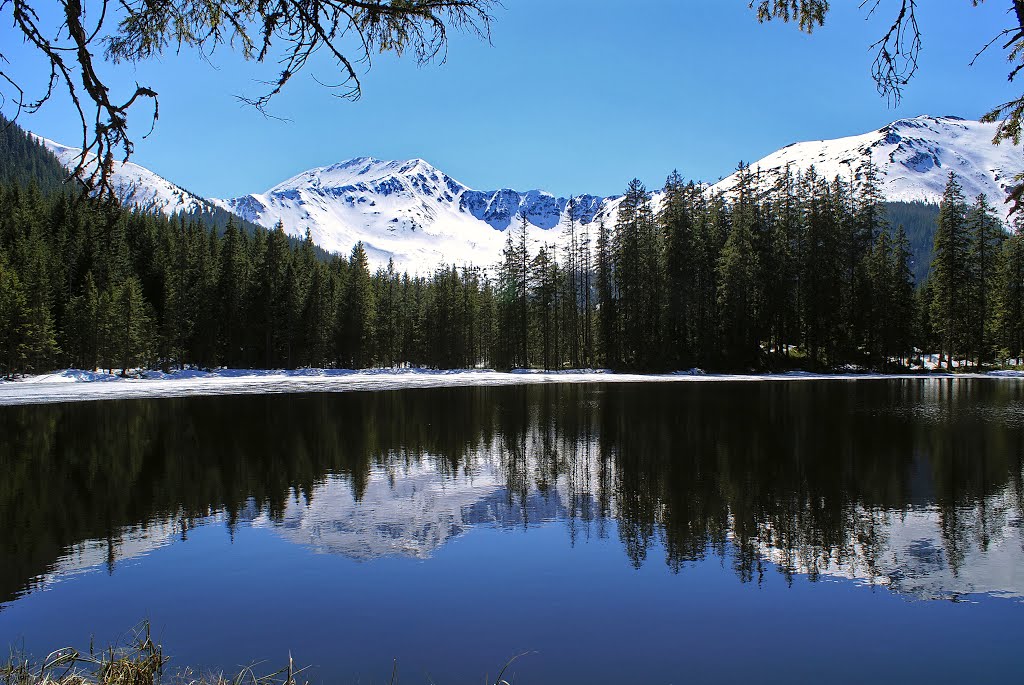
(572, 96)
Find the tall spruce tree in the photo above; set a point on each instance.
(13, 321)
(986, 236)
(738, 292)
(358, 321)
(950, 280)
(1008, 305)
(607, 298)
(676, 222)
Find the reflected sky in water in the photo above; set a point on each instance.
(661, 533)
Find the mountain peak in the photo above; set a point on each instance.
(364, 172)
(420, 216)
(913, 156)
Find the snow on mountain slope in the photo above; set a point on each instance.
(408, 211)
(914, 158)
(419, 216)
(136, 186)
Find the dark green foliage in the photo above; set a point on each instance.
(23, 161)
(738, 292)
(13, 321)
(637, 253)
(987, 236)
(1007, 315)
(808, 272)
(919, 220)
(951, 278)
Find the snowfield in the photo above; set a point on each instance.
(419, 216)
(134, 185)
(76, 385)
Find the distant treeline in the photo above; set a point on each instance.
(807, 273)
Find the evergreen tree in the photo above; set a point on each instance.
(234, 279)
(676, 223)
(83, 329)
(544, 275)
(132, 327)
(39, 328)
(986, 237)
(274, 299)
(868, 222)
(950, 280)
(358, 320)
(607, 299)
(737, 280)
(637, 253)
(13, 322)
(1008, 305)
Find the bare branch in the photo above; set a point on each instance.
(898, 50)
(291, 31)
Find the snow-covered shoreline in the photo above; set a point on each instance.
(75, 385)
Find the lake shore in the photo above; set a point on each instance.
(72, 385)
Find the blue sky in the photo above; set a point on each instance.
(572, 96)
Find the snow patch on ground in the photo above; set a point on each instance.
(72, 385)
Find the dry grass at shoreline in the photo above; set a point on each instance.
(141, 661)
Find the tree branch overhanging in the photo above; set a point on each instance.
(898, 50)
(349, 32)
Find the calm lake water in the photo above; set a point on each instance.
(825, 531)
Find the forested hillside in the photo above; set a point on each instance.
(24, 161)
(918, 220)
(810, 274)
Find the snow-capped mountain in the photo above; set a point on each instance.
(137, 186)
(913, 156)
(408, 211)
(419, 216)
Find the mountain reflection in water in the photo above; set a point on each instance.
(911, 484)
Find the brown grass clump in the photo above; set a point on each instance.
(140, 661)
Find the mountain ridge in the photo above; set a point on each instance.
(415, 214)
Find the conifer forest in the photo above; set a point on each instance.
(807, 273)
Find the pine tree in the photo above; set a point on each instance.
(607, 299)
(867, 223)
(13, 321)
(522, 279)
(676, 223)
(986, 237)
(83, 329)
(132, 327)
(573, 278)
(40, 329)
(513, 298)
(586, 301)
(637, 253)
(709, 237)
(274, 297)
(235, 277)
(358, 322)
(738, 280)
(950, 279)
(544, 278)
(779, 272)
(903, 331)
(1008, 304)
(822, 269)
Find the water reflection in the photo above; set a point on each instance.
(916, 485)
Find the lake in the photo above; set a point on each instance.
(839, 531)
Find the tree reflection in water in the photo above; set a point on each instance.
(912, 483)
